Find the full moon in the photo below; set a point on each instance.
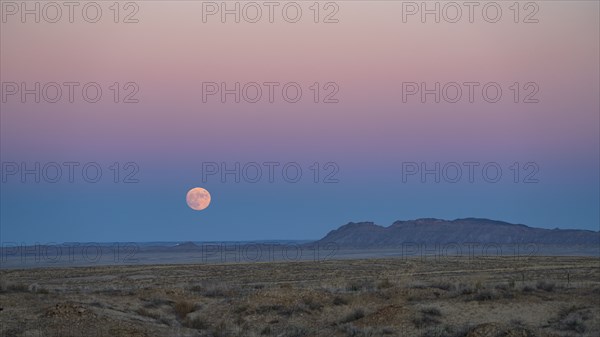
(198, 198)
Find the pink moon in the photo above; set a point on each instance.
(198, 198)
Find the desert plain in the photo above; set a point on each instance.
(466, 296)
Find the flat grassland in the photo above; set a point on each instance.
(475, 296)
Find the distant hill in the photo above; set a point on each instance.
(186, 245)
(437, 231)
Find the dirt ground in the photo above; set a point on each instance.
(467, 296)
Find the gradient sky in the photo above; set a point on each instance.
(369, 134)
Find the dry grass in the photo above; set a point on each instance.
(182, 308)
(353, 315)
(481, 297)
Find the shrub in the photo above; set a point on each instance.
(446, 331)
(263, 309)
(418, 285)
(354, 331)
(312, 304)
(196, 288)
(574, 324)
(465, 289)
(438, 331)
(220, 330)
(572, 319)
(528, 289)
(156, 302)
(431, 311)
(338, 300)
(423, 321)
(502, 287)
(17, 288)
(294, 331)
(290, 310)
(486, 295)
(356, 314)
(195, 323)
(359, 285)
(427, 317)
(241, 308)
(266, 330)
(384, 284)
(545, 286)
(36, 288)
(182, 308)
(148, 313)
(211, 289)
(443, 286)
(216, 291)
